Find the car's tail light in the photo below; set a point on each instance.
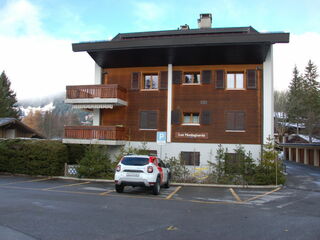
(150, 169)
(118, 168)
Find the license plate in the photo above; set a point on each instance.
(132, 174)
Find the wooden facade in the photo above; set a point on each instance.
(205, 98)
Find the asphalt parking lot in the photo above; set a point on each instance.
(48, 208)
(205, 195)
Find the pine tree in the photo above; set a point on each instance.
(311, 99)
(295, 98)
(8, 101)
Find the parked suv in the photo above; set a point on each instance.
(142, 170)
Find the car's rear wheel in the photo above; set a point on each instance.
(156, 187)
(119, 188)
(167, 184)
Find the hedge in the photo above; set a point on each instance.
(36, 157)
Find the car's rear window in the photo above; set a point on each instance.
(135, 161)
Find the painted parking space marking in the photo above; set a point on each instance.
(106, 193)
(27, 181)
(98, 189)
(173, 193)
(65, 185)
(186, 194)
(262, 195)
(236, 196)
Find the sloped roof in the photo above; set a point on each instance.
(5, 121)
(14, 121)
(242, 45)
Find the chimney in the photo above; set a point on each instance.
(184, 27)
(205, 20)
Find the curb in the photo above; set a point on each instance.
(180, 184)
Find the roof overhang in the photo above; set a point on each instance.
(190, 50)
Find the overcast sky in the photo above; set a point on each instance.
(36, 35)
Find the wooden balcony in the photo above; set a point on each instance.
(109, 135)
(96, 96)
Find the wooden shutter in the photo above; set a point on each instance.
(206, 77)
(176, 77)
(239, 121)
(220, 79)
(152, 120)
(251, 79)
(195, 156)
(148, 120)
(163, 80)
(230, 121)
(143, 120)
(175, 117)
(185, 158)
(135, 80)
(205, 118)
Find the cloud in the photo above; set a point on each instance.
(149, 15)
(301, 48)
(20, 17)
(37, 63)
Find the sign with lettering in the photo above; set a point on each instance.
(191, 135)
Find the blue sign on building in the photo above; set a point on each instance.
(161, 138)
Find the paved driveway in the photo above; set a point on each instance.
(42, 208)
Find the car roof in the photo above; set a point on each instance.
(145, 156)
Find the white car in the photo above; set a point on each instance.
(142, 170)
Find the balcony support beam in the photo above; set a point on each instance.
(169, 103)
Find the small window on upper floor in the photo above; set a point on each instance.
(150, 81)
(235, 81)
(191, 118)
(191, 78)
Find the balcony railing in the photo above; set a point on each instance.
(95, 132)
(96, 91)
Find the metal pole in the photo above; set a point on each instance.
(276, 160)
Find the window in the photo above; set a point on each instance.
(191, 78)
(135, 161)
(191, 118)
(148, 120)
(235, 81)
(190, 158)
(150, 81)
(235, 121)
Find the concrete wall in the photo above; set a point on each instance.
(268, 109)
(97, 80)
(207, 151)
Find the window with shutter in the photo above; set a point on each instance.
(148, 120)
(175, 117)
(235, 121)
(150, 81)
(135, 78)
(206, 77)
(163, 80)
(176, 77)
(251, 79)
(219, 79)
(191, 78)
(191, 118)
(190, 158)
(235, 81)
(205, 118)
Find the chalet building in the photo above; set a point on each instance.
(13, 128)
(202, 87)
(297, 148)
